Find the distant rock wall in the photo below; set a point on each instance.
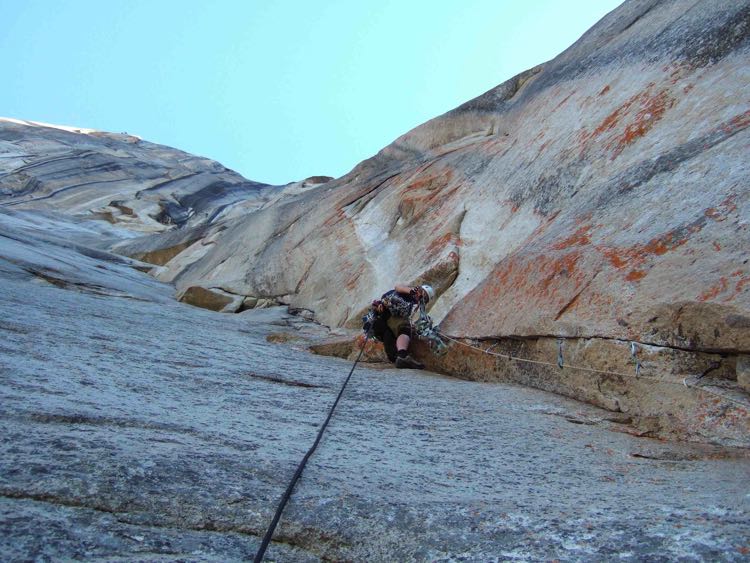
(139, 186)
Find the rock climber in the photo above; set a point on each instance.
(389, 320)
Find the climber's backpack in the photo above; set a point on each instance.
(374, 323)
(391, 304)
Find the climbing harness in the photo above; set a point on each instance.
(290, 488)
(396, 305)
(424, 328)
(637, 375)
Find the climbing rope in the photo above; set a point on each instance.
(290, 488)
(435, 337)
(560, 364)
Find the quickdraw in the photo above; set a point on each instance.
(424, 328)
(634, 355)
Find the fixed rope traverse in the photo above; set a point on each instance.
(559, 363)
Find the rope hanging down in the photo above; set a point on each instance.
(290, 488)
(559, 363)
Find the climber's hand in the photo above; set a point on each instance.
(418, 294)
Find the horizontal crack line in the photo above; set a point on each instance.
(81, 505)
(607, 338)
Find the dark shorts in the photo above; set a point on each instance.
(399, 326)
(388, 330)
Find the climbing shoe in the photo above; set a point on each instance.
(408, 362)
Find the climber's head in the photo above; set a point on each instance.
(428, 292)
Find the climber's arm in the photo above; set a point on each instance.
(403, 289)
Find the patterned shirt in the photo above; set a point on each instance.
(398, 304)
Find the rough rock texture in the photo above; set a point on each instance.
(595, 202)
(137, 428)
(743, 372)
(600, 198)
(601, 194)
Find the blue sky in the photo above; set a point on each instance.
(277, 90)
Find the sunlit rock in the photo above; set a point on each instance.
(598, 199)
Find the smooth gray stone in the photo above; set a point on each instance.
(144, 429)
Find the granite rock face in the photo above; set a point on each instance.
(600, 197)
(137, 428)
(138, 187)
(131, 183)
(603, 193)
(592, 211)
(599, 200)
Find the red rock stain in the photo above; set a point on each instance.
(738, 122)
(581, 237)
(636, 275)
(722, 287)
(437, 245)
(558, 106)
(351, 283)
(722, 211)
(649, 108)
(636, 255)
(715, 290)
